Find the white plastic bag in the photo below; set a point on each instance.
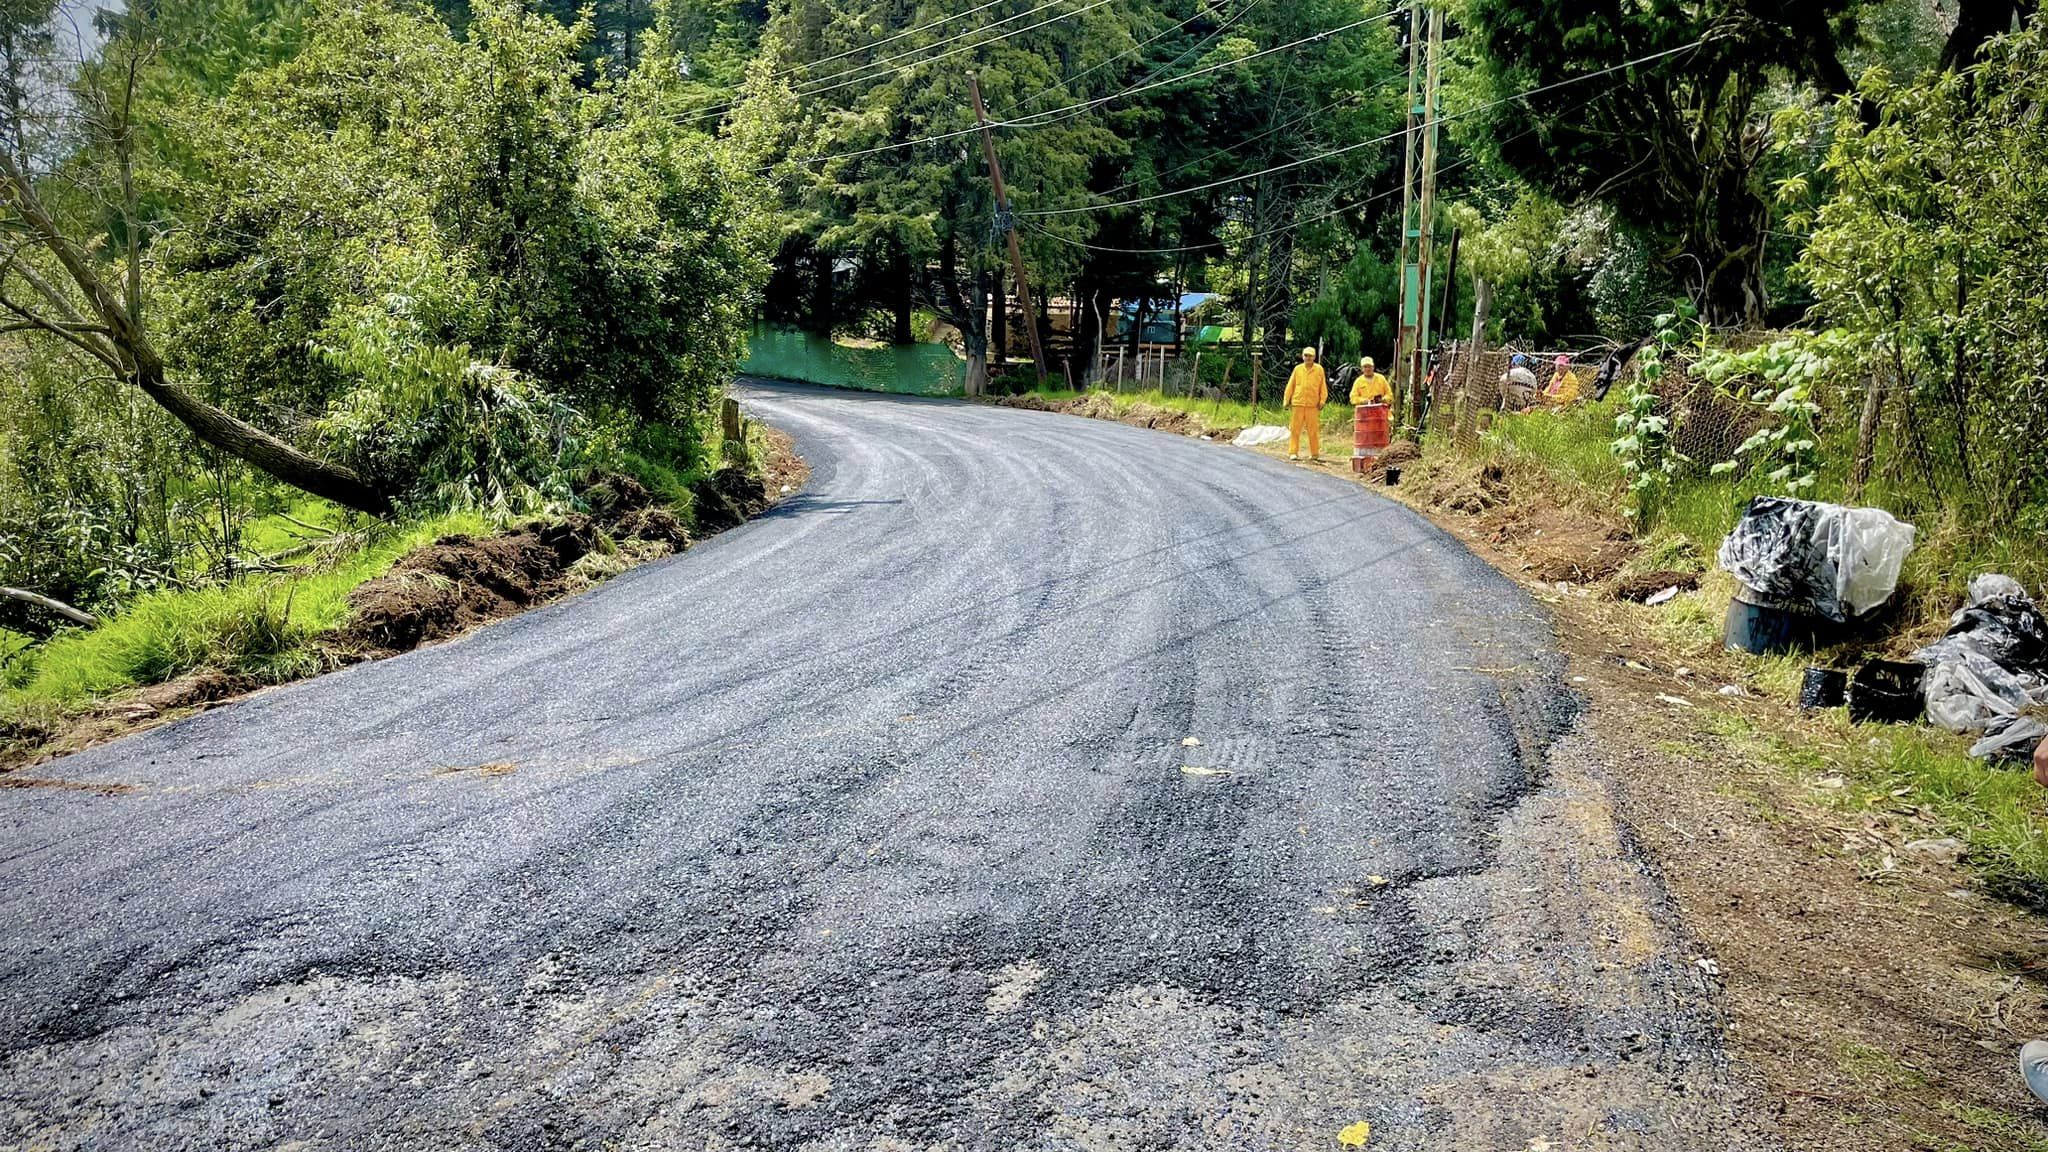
(1259, 434)
(1825, 559)
(1987, 675)
(1870, 546)
(1968, 691)
(1993, 586)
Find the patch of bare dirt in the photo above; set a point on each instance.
(1640, 586)
(1400, 453)
(1881, 1008)
(784, 472)
(458, 582)
(1569, 545)
(1096, 406)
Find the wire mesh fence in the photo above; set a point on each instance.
(1957, 463)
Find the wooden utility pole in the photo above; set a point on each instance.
(1008, 224)
(1418, 204)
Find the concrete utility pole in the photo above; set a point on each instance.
(1008, 224)
(1418, 205)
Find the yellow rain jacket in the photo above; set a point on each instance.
(1372, 389)
(1308, 387)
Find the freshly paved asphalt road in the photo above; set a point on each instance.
(871, 825)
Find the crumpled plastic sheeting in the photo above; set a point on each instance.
(1826, 559)
(1259, 434)
(1989, 674)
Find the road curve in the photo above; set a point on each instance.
(875, 824)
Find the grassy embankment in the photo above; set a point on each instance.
(1996, 810)
(263, 626)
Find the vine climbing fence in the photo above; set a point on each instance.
(1952, 461)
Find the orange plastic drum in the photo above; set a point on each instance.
(1371, 432)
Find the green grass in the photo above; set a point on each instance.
(259, 626)
(1572, 443)
(274, 533)
(669, 461)
(1997, 811)
(1222, 413)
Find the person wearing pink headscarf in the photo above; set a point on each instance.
(1564, 383)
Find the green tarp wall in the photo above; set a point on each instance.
(907, 369)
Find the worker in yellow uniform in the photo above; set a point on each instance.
(1307, 391)
(1371, 387)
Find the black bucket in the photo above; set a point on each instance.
(1393, 477)
(1823, 688)
(1888, 691)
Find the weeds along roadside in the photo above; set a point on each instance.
(277, 622)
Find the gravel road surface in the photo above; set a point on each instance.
(1027, 782)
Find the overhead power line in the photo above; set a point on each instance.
(1334, 152)
(1287, 227)
(1026, 122)
(877, 68)
(925, 27)
(1291, 121)
(1200, 12)
(1053, 116)
(916, 64)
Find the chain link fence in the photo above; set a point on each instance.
(1958, 465)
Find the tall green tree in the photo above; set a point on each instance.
(1675, 145)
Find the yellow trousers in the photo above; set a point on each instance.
(1309, 421)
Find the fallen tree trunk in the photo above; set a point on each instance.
(259, 449)
(75, 615)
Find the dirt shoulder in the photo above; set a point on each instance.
(458, 584)
(1872, 985)
(1878, 992)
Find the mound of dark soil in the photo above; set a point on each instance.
(458, 582)
(1400, 452)
(610, 496)
(728, 498)
(1640, 586)
(656, 525)
(192, 690)
(1164, 419)
(1031, 400)
(461, 581)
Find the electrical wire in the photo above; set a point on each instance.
(1288, 227)
(1203, 247)
(1026, 122)
(1200, 11)
(925, 27)
(914, 65)
(1353, 147)
(1053, 116)
(717, 110)
(1290, 122)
